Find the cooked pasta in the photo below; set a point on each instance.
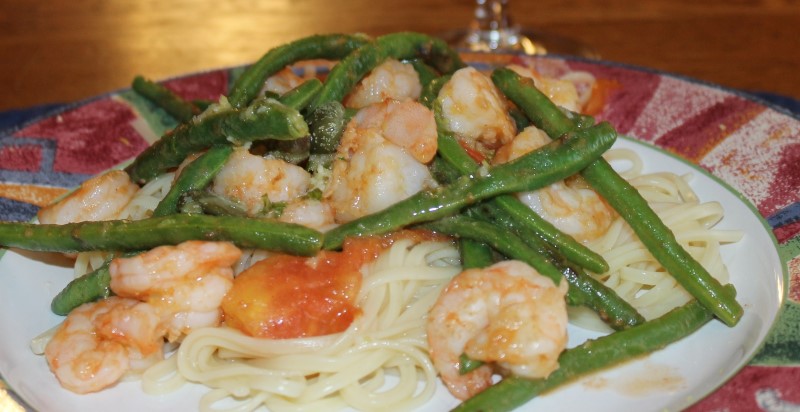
(380, 362)
(634, 273)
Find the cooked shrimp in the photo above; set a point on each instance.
(475, 111)
(97, 343)
(570, 205)
(390, 80)
(507, 314)
(282, 81)
(309, 213)
(185, 283)
(561, 92)
(407, 124)
(102, 197)
(380, 159)
(256, 182)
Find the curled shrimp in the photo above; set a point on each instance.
(506, 314)
(475, 111)
(570, 205)
(381, 158)
(256, 182)
(102, 197)
(561, 92)
(164, 292)
(389, 80)
(98, 342)
(185, 283)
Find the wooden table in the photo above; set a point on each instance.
(61, 51)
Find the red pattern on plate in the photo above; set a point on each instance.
(27, 158)
(756, 388)
(699, 134)
(205, 86)
(625, 104)
(90, 138)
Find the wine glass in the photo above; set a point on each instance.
(492, 30)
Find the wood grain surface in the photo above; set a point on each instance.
(67, 50)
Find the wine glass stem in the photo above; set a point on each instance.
(491, 15)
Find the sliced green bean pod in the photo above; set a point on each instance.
(87, 288)
(135, 235)
(264, 119)
(475, 254)
(595, 355)
(195, 176)
(551, 163)
(302, 95)
(164, 98)
(626, 200)
(327, 46)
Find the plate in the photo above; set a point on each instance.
(719, 134)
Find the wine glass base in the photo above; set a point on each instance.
(514, 39)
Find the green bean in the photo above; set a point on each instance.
(87, 288)
(475, 253)
(164, 98)
(535, 225)
(626, 200)
(204, 202)
(265, 118)
(329, 46)
(467, 365)
(594, 355)
(135, 235)
(431, 90)
(326, 122)
(583, 291)
(195, 176)
(344, 76)
(302, 95)
(425, 72)
(506, 243)
(551, 163)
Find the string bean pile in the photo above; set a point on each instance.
(471, 201)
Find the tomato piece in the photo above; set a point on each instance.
(285, 296)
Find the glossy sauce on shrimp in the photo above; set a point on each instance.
(162, 293)
(507, 315)
(476, 111)
(100, 198)
(382, 158)
(570, 205)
